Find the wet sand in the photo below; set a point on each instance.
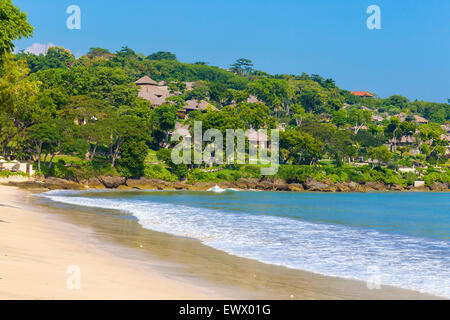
(148, 257)
(41, 258)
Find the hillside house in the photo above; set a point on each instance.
(377, 118)
(419, 120)
(404, 141)
(258, 138)
(182, 130)
(153, 91)
(364, 94)
(192, 105)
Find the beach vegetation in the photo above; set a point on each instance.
(79, 118)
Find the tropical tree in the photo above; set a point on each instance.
(162, 55)
(300, 147)
(133, 153)
(359, 118)
(242, 67)
(255, 115)
(13, 26)
(276, 93)
(18, 108)
(381, 153)
(162, 120)
(58, 57)
(42, 134)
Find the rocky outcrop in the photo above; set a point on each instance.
(439, 187)
(296, 187)
(342, 187)
(314, 185)
(356, 187)
(112, 182)
(377, 186)
(200, 186)
(142, 183)
(396, 187)
(247, 183)
(264, 184)
(419, 189)
(94, 183)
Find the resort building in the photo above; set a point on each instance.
(258, 137)
(377, 118)
(401, 116)
(16, 166)
(446, 136)
(182, 130)
(361, 94)
(419, 119)
(202, 105)
(153, 91)
(404, 141)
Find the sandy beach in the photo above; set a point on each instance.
(39, 254)
(36, 255)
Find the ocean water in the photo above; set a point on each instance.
(399, 239)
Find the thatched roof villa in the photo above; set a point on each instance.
(192, 105)
(153, 91)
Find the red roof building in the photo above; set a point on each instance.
(361, 93)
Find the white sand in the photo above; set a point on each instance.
(35, 256)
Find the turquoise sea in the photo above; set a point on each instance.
(401, 239)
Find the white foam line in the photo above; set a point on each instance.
(333, 250)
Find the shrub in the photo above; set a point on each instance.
(433, 177)
(159, 172)
(6, 174)
(409, 178)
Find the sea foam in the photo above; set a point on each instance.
(333, 250)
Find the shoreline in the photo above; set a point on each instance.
(38, 253)
(121, 183)
(222, 276)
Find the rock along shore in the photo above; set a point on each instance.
(121, 183)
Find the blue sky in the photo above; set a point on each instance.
(410, 55)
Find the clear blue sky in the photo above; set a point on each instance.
(410, 55)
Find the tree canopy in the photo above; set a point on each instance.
(13, 26)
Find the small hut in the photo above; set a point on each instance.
(419, 119)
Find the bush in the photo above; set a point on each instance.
(297, 174)
(180, 170)
(159, 172)
(432, 177)
(6, 174)
(197, 175)
(409, 178)
(79, 170)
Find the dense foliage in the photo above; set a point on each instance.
(54, 105)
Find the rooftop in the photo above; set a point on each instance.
(361, 93)
(145, 80)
